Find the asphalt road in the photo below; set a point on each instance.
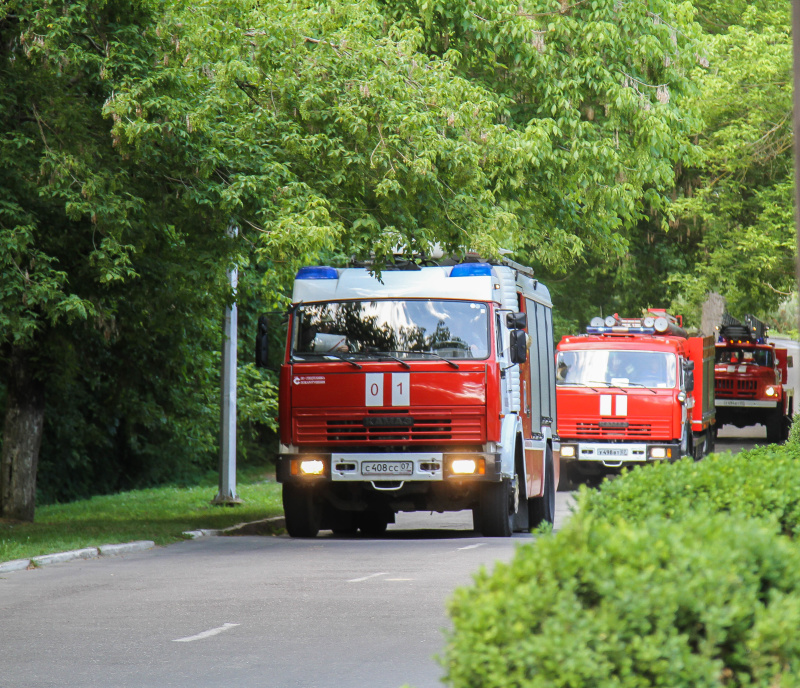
(255, 611)
(248, 611)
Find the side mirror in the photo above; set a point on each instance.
(516, 321)
(689, 380)
(518, 346)
(789, 362)
(262, 343)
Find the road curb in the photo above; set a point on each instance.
(275, 525)
(72, 555)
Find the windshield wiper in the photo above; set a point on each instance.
(381, 356)
(607, 384)
(332, 354)
(642, 385)
(395, 358)
(428, 353)
(343, 358)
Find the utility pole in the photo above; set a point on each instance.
(796, 108)
(227, 449)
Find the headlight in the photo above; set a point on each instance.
(660, 453)
(681, 396)
(308, 467)
(468, 466)
(771, 391)
(567, 451)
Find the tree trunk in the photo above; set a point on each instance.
(22, 438)
(713, 308)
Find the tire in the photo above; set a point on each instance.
(567, 480)
(495, 514)
(372, 523)
(543, 509)
(689, 451)
(699, 446)
(775, 427)
(711, 442)
(303, 513)
(343, 522)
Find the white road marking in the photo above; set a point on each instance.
(399, 579)
(372, 575)
(480, 544)
(206, 634)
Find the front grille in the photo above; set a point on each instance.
(354, 431)
(429, 425)
(730, 388)
(632, 430)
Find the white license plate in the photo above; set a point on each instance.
(612, 452)
(384, 468)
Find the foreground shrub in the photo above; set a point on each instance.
(705, 602)
(761, 483)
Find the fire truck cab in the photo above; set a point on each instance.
(632, 391)
(423, 389)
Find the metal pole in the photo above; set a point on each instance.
(796, 107)
(227, 450)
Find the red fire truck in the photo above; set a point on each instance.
(631, 391)
(424, 389)
(751, 375)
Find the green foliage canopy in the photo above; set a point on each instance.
(355, 127)
(742, 197)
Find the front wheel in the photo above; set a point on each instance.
(303, 513)
(372, 523)
(543, 509)
(775, 427)
(497, 506)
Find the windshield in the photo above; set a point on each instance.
(403, 328)
(616, 368)
(760, 357)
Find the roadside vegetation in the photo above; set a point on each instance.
(684, 574)
(161, 514)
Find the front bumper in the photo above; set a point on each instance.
(416, 467)
(745, 403)
(617, 454)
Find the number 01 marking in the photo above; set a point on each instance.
(400, 385)
(374, 389)
(401, 389)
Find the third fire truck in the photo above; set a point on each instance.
(751, 375)
(631, 391)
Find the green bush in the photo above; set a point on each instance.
(794, 434)
(761, 483)
(709, 601)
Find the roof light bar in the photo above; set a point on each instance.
(656, 321)
(620, 329)
(471, 270)
(317, 272)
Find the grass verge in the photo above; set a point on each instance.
(160, 514)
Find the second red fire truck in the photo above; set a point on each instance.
(631, 391)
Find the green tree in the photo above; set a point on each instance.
(596, 91)
(740, 201)
(96, 284)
